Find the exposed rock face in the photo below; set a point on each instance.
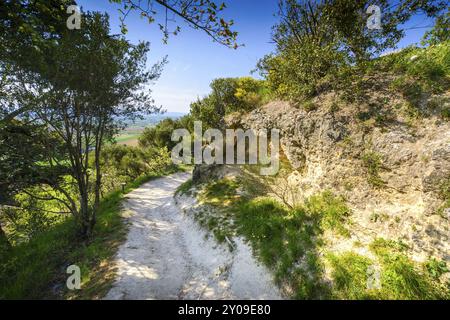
(326, 149)
(206, 173)
(202, 173)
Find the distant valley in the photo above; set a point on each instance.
(131, 134)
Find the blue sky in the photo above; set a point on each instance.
(194, 60)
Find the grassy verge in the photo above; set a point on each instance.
(291, 243)
(287, 241)
(37, 269)
(399, 278)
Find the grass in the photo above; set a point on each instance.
(400, 277)
(349, 276)
(290, 242)
(37, 269)
(218, 198)
(222, 192)
(128, 138)
(331, 211)
(185, 188)
(285, 240)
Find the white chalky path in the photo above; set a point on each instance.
(167, 256)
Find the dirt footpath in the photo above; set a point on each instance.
(167, 256)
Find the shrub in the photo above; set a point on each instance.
(229, 95)
(372, 161)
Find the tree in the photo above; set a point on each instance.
(63, 92)
(440, 32)
(349, 19)
(132, 162)
(93, 80)
(30, 28)
(203, 15)
(316, 40)
(28, 31)
(159, 136)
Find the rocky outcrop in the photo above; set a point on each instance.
(326, 148)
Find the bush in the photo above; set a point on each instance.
(401, 278)
(440, 32)
(124, 163)
(160, 136)
(229, 95)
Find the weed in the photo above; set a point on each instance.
(400, 277)
(436, 268)
(349, 276)
(331, 211)
(372, 161)
(185, 188)
(309, 106)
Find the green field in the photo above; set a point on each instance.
(128, 138)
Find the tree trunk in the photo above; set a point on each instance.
(5, 245)
(85, 215)
(98, 173)
(98, 186)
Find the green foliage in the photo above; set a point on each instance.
(220, 192)
(125, 163)
(160, 136)
(286, 240)
(327, 45)
(331, 211)
(32, 269)
(445, 113)
(309, 105)
(440, 32)
(77, 96)
(373, 162)
(436, 268)
(413, 92)
(30, 219)
(185, 188)
(228, 95)
(250, 94)
(444, 189)
(444, 194)
(400, 277)
(28, 269)
(296, 72)
(349, 276)
(204, 15)
(25, 150)
(423, 71)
